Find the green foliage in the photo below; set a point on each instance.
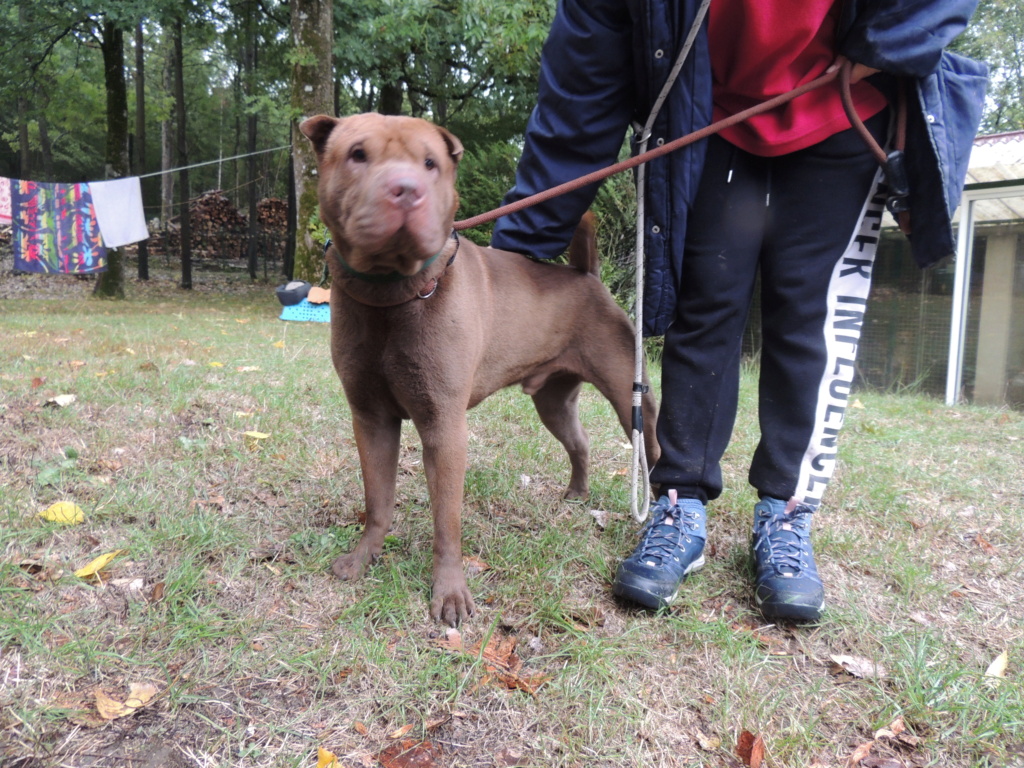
(996, 36)
(485, 175)
(468, 64)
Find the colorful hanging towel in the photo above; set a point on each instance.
(118, 205)
(5, 200)
(54, 228)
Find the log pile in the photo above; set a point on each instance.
(272, 214)
(213, 213)
(220, 230)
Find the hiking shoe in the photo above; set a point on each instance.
(672, 546)
(786, 583)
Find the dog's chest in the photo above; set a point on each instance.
(409, 355)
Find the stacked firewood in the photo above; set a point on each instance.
(213, 213)
(272, 214)
(219, 229)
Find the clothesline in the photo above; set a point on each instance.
(67, 228)
(177, 203)
(211, 162)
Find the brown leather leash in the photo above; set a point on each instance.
(892, 163)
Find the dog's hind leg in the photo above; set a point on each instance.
(612, 373)
(378, 438)
(557, 403)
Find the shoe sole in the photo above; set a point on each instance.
(790, 611)
(647, 592)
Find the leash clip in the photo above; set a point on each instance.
(898, 182)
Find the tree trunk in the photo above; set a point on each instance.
(312, 94)
(167, 146)
(391, 99)
(249, 75)
(46, 147)
(25, 159)
(288, 264)
(110, 284)
(140, 134)
(182, 158)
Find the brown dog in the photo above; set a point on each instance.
(425, 325)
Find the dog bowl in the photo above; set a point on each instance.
(292, 293)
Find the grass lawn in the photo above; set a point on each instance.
(217, 637)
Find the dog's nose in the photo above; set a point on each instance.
(405, 191)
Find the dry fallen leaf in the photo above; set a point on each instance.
(586, 617)
(452, 640)
(986, 547)
(403, 731)
(860, 753)
(253, 438)
(97, 565)
(61, 401)
(409, 754)
(858, 666)
(138, 696)
(508, 758)
(882, 762)
(474, 565)
(63, 512)
(600, 517)
(894, 729)
(157, 593)
(325, 759)
(436, 722)
(360, 728)
(750, 749)
(997, 669)
(708, 743)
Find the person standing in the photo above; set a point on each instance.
(793, 195)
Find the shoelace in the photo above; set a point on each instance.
(662, 538)
(786, 537)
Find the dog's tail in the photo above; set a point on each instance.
(583, 248)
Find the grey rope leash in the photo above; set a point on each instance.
(641, 479)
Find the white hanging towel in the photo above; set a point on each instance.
(118, 205)
(5, 200)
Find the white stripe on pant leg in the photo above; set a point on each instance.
(847, 298)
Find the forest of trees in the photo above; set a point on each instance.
(105, 88)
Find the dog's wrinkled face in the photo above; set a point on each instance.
(387, 188)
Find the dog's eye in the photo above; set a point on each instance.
(429, 163)
(358, 154)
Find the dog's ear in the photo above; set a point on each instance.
(317, 129)
(454, 145)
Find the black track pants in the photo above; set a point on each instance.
(809, 221)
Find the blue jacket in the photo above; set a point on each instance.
(605, 61)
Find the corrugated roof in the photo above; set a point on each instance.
(997, 157)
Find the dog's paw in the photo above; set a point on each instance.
(451, 604)
(577, 493)
(351, 566)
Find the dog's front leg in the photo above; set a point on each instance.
(444, 460)
(378, 437)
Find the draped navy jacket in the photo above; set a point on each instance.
(605, 61)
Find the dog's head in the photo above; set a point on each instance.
(387, 188)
